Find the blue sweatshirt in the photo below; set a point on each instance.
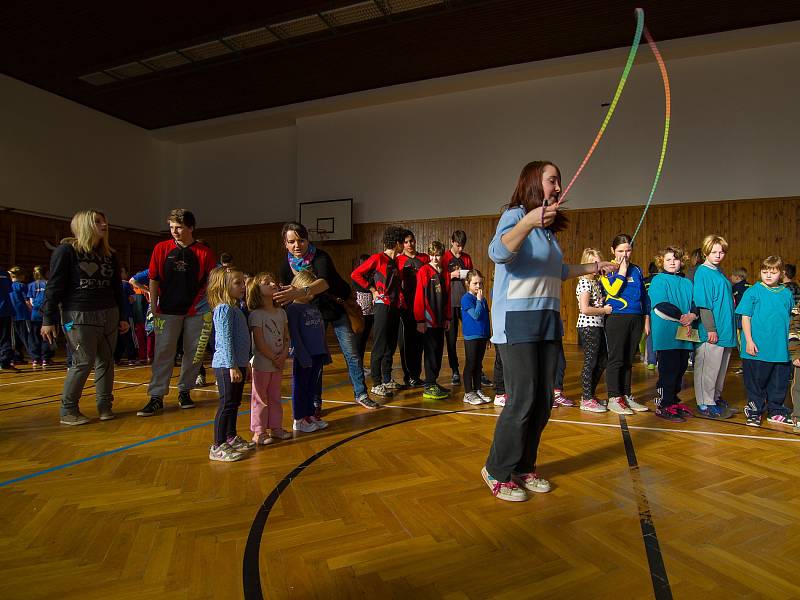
(232, 338)
(307, 330)
(36, 296)
(626, 295)
(6, 309)
(526, 298)
(19, 295)
(474, 318)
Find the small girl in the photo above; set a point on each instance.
(231, 356)
(671, 301)
(591, 333)
(270, 329)
(476, 331)
(41, 352)
(630, 314)
(310, 355)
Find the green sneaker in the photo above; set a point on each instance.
(435, 392)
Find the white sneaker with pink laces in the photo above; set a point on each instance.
(500, 400)
(508, 490)
(592, 405)
(531, 482)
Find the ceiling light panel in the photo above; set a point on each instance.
(166, 61)
(251, 39)
(134, 69)
(206, 51)
(355, 13)
(397, 6)
(298, 27)
(98, 78)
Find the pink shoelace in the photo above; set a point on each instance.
(503, 484)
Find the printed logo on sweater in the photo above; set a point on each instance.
(98, 271)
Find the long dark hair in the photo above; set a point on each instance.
(299, 229)
(529, 193)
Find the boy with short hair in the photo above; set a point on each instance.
(380, 275)
(432, 313)
(765, 308)
(456, 264)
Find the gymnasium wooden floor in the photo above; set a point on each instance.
(389, 504)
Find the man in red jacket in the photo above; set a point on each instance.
(379, 274)
(456, 263)
(409, 263)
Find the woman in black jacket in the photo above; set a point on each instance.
(85, 283)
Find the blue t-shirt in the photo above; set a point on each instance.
(676, 290)
(713, 291)
(769, 310)
(474, 318)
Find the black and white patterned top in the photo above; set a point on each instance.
(595, 299)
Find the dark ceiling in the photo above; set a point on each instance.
(51, 44)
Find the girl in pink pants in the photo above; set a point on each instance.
(270, 330)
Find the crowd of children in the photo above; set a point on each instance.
(419, 299)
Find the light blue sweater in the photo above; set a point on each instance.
(231, 338)
(526, 298)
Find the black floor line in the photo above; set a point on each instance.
(251, 575)
(655, 560)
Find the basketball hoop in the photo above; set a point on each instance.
(318, 235)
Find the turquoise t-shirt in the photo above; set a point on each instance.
(676, 290)
(713, 291)
(769, 311)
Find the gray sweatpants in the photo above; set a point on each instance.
(167, 331)
(794, 392)
(92, 336)
(710, 368)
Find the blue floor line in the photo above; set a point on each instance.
(123, 448)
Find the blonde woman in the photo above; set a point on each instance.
(85, 282)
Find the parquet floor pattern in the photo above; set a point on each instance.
(398, 513)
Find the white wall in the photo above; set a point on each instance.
(734, 134)
(58, 157)
(241, 179)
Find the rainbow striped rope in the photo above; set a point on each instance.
(620, 86)
(665, 78)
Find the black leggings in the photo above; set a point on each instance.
(473, 363)
(452, 338)
(671, 368)
(623, 333)
(529, 372)
(595, 357)
(230, 399)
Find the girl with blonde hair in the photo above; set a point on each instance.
(85, 283)
(231, 356)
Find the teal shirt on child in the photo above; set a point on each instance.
(674, 289)
(769, 310)
(713, 291)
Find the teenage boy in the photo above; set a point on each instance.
(409, 262)
(456, 264)
(432, 313)
(379, 274)
(179, 270)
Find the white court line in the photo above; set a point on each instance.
(173, 387)
(613, 425)
(65, 374)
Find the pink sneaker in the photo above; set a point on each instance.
(500, 400)
(559, 399)
(592, 405)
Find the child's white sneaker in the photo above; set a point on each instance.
(304, 426)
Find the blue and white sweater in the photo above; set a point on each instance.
(526, 298)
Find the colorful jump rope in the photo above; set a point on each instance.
(620, 86)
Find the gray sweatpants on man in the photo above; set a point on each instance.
(92, 335)
(710, 368)
(167, 330)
